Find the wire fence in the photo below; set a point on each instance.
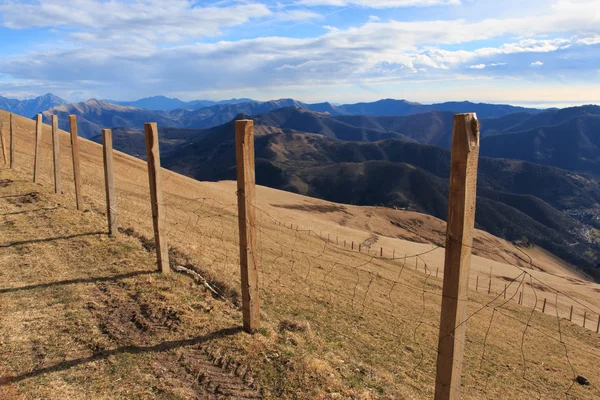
(370, 315)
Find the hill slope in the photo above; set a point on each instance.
(409, 175)
(335, 322)
(568, 139)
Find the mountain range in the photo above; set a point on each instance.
(97, 114)
(31, 107)
(167, 103)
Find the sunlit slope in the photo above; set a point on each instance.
(350, 298)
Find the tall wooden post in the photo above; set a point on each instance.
(109, 181)
(571, 314)
(3, 143)
(38, 148)
(544, 306)
(56, 155)
(459, 239)
(584, 318)
(75, 158)
(12, 142)
(244, 151)
(156, 197)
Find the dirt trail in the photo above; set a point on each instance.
(83, 315)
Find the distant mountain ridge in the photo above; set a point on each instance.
(31, 107)
(97, 114)
(159, 103)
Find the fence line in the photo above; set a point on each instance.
(366, 301)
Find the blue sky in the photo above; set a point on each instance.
(521, 52)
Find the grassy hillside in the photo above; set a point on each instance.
(396, 173)
(336, 323)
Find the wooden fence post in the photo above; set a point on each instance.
(12, 142)
(56, 155)
(505, 291)
(381, 252)
(353, 245)
(544, 306)
(521, 298)
(584, 318)
(490, 286)
(571, 313)
(75, 158)
(156, 197)
(459, 239)
(109, 181)
(4, 155)
(38, 148)
(244, 149)
(477, 284)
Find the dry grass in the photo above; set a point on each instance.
(336, 324)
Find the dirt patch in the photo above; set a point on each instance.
(133, 320)
(5, 182)
(29, 198)
(321, 209)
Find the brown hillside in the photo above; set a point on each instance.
(336, 323)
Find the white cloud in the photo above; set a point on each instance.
(134, 47)
(138, 20)
(537, 64)
(297, 15)
(378, 3)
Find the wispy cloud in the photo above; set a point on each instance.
(378, 3)
(149, 47)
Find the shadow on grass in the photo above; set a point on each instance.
(164, 346)
(30, 211)
(52, 239)
(75, 281)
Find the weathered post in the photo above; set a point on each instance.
(109, 181)
(244, 149)
(56, 155)
(477, 284)
(544, 306)
(521, 297)
(571, 314)
(598, 325)
(489, 286)
(381, 252)
(156, 197)
(505, 287)
(75, 158)
(4, 155)
(12, 142)
(459, 239)
(38, 148)
(584, 318)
